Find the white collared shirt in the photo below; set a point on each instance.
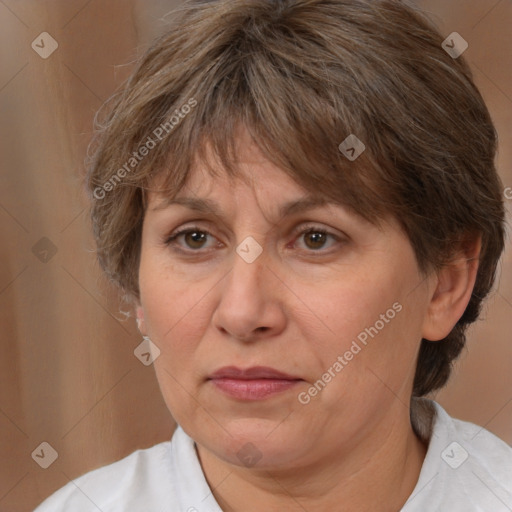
(466, 469)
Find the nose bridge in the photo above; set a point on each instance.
(245, 303)
(247, 270)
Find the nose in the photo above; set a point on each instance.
(250, 305)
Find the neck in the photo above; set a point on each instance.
(379, 473)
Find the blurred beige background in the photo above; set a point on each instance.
(68, 375)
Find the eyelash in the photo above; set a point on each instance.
(171, 239)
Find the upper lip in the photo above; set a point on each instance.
(255, 372)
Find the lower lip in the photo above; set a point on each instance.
(254, 389)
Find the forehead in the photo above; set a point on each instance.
(223, 204)
(210, 188)
(250, 172)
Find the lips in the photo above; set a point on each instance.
(256, 372)
(256, 383)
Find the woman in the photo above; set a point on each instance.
(300, 198)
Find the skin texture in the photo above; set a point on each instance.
(296, 308)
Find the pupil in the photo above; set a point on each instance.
(317, 238)
(195, 235)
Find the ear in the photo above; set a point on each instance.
(139, 314)
(453, 288)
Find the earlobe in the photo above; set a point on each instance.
(455, 283)
(139, 313)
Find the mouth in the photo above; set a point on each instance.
(256, 383)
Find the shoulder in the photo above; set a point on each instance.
(488, 456)
(467, 468)
(130, 480)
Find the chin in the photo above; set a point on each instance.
(254, 442)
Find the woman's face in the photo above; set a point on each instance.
(318, 294)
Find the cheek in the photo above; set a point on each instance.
(176, 316)
(178, 310)
(351, 305)
(372, 325)
(168, 305)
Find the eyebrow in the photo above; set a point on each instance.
(208, 206)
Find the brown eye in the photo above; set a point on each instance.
(194, 238)
(316, 239)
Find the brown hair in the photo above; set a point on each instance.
(302, 75)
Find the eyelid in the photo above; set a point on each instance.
(301, 229)
(313, 228)
(169, 239)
